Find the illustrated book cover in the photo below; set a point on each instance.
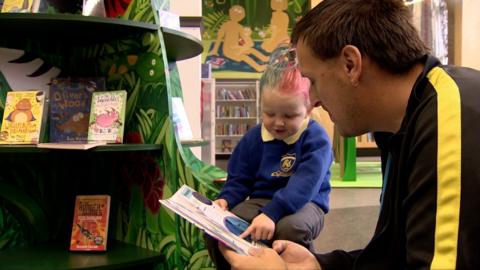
(70, 102)
(90, 223)
(23, 117)
(20, 6)
(107, 116)
(207, 216)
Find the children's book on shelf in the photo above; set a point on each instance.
(107, 116)
(93, 8)
(70, 102)
(20, 6)
(74, 145)
(218, 223)
(23, 117)
(90, 223)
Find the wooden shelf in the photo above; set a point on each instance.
(56, 30)
(55, 256)
(17, 148)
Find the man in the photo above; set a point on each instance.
(371, 72)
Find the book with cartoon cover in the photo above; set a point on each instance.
(70, 102)
(90, 223)
(23, 117)
(209, 217)
(107, 116)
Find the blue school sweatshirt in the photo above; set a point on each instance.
(290, 172)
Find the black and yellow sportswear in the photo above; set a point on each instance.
(430, 214)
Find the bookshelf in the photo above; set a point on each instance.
(365, 141)
(38, 186)
(236, 111)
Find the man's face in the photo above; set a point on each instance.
(330, 89)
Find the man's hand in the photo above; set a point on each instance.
(260, 258)
(292, 257)
(222, 203)
(295, 255)
(262, 228)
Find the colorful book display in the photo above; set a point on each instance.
(70, 102)
(107, 116)
(90, 223)
(23, 117)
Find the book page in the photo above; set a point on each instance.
(218, 223)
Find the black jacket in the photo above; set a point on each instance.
(429, 217)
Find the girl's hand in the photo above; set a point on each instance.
(222, 203)
(262, 228)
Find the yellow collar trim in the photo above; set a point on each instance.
(267, 136)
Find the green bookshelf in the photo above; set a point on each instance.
(55, 256)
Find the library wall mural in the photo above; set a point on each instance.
(38, 189)
(239, 35)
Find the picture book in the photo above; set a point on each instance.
(77, 145)
(20, 6)
(107, 116)
(218, 223)
(70, 102)
(23, 117)
(90, 223)
(93, 8)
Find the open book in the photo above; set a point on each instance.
(218, 223)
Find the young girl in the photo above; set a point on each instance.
(278, 174)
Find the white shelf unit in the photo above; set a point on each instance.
(208, 120)
(236, 111)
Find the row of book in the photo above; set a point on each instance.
(368, 137)
(232, 129)
(78, 110)
(238, 94)
(87, 7)
(233, 111)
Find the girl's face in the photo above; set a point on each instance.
(283, 113)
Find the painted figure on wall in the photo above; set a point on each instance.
(239, 35)
(237, 41)
(278, 28)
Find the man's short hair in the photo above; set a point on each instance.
(380, 29)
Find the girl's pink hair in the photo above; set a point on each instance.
(286, 80)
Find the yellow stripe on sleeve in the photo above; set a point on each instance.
(448, 169)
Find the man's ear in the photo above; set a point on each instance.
(351, 60)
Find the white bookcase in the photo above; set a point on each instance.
(208, 120)
(236, 111)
